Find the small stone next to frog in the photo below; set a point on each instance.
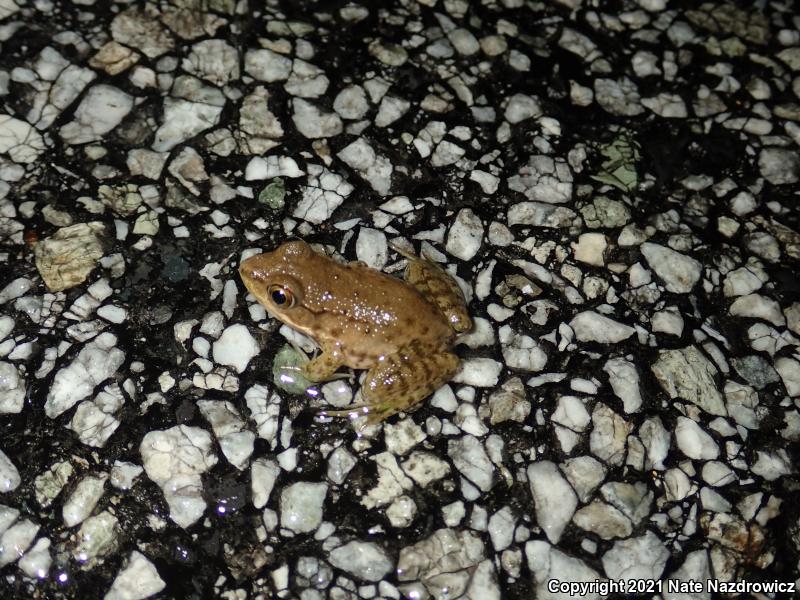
(402, 332)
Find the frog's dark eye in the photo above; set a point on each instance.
(281, 296)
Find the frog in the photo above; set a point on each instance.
(402, 331)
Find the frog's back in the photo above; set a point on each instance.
(370, 314)
(368, 296)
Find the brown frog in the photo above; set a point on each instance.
(402, 331)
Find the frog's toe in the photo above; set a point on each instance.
(460, 321)
(377, 413)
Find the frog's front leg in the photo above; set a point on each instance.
(323, 367)
(399, 382)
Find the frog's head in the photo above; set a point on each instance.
(275, 279)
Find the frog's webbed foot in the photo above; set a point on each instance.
(402, 381)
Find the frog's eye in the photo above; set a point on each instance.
(281, 296)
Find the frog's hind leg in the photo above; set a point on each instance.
(440, 289)
(400, 382)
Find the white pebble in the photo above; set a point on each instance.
(139, 579)
(590, 249)
(693, 441)
(98, 360)
(590, 326)
(114, 314)
(479, 372)
(624, 380)
(12, 389)
(636, 558)
(174, 459)
(789, 370)
(16, 540)
(236, 347)
(521, 107)
(15, 289)
(365, 560)
(83, 499)
(465, 236)
(371, 247)
(9, 475)
(263, 474)
(679, 272)
(301, 506)
(668, 321)
(553, 497)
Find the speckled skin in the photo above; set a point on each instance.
(364, 319)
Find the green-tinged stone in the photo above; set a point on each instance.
(619, 168)
(789, 110)
(791, 56)
(605, 212)
(286, 370)
(728, 18)
(733, 47)
(227, 7)
(178, 199)
(49, 484)
(755, 370)
(66, 258)
(273, 195)
(146, 224)
(289, 28)
(97, 537)
(122, 199)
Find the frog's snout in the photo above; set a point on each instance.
(245, 270)
(250, 269)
